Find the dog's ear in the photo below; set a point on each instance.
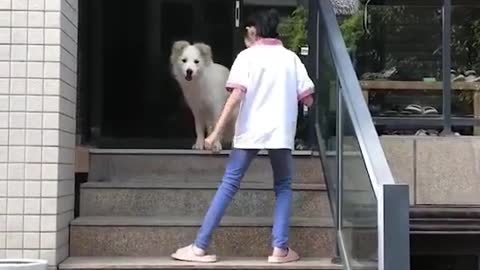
(205, 51)
(177, 49)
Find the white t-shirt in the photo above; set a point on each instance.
(274, 79)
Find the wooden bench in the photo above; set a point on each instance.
(426, 87)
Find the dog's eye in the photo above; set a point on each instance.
(184, 60)
(196, 61)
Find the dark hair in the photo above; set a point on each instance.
(266, 23)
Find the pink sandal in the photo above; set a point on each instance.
(291, 256)
(187, 254)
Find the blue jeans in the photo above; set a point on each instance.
(240, 159)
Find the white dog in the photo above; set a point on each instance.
(203, 86)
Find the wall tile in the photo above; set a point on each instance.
(31, 240)
(19, 52)
(35, 86)
(15, 206)
(20, 4)
(14, 223)
(5, 4)
(34, 137)
(5, 34)
(14, 240)
(34, 154)
(17, 137)
(19, 18)
(32, 188)
(36, 36)
(49, 206)
(36, 18)
(33, 172)
(32, 206)
(36, 4)
(16, 188)
(18, 86)
(32, 223)
(19, 35)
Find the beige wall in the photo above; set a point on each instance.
(439, 170)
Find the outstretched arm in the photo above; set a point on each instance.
(230, 107)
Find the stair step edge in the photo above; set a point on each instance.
(168, 221)
(84, 263)
(98, 151)
(171, 184)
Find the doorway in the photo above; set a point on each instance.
(127, 95)
(125, 77)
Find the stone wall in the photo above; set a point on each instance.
(439, 170)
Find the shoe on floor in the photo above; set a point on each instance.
(187, 254)
(291, 256)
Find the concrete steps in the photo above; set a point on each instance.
(160, 236)
(189, 166)
(164, 263)
(138, 206)
(168, 197)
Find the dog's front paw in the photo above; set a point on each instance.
(198, 146)
(217, 147)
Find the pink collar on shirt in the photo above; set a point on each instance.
(269, 41)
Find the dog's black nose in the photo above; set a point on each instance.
(189, 72)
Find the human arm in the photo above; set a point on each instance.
(227, 113)
(236, 84)
(305, 86)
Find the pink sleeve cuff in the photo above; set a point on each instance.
(305, 93)
(231, 86)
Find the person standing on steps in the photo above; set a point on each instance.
(266, 81)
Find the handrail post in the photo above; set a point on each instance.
(446, 66)
(339, 162)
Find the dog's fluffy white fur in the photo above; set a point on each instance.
(203, 85)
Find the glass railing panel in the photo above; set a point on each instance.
(359, 204)
(372, 210)
(326, 112)
(465, 56)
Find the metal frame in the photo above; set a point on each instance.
(339, 157)
(447, 65)
(396, 210)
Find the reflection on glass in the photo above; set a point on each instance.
(466, 59)
(359, 209)
(326, 95)
(398, 58)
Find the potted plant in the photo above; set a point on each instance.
(293, 30)
(352, 30)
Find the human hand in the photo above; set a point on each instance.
(211, 142)
(250, 36)
(308, 101)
